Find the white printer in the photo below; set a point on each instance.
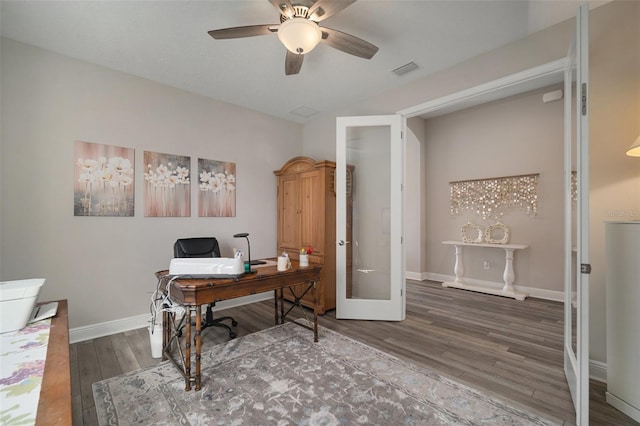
(17, 299)
(207, 267)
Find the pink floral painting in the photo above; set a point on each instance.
(167, 186)
(103, 180)
(217, 195)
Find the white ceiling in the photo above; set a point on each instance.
(167, 41)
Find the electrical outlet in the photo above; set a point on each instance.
(486, 265)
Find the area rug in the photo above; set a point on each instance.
(280, 377)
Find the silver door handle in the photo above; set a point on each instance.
(343, 242)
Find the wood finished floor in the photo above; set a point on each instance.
(509, 348)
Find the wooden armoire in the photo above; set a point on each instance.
(307, 218)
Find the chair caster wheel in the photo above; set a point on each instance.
(234, 323)
(232, 335)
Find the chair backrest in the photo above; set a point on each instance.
(196, 247)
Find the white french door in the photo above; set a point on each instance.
(577, 267)
(361, 266)
(370, 271)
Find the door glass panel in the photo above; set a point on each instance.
(368, 155)
(574, 222)
(571, 164)
(369, 252)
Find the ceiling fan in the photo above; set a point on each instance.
(300, 33)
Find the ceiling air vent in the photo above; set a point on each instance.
(406, 68)
(303, 111)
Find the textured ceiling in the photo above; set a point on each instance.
(167, 41)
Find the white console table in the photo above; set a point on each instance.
(508, 276)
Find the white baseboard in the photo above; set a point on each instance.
(88, 332)
(623, 406)
(417, 276)
(598, 371)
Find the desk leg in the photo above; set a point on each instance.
(275, 298)
(187, 352)
(198, 344)
(165, 333)
(315, 312)
(281, 290)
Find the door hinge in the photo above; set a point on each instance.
(401, 293)
(583, 98)
(585, 268)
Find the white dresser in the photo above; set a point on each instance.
(623, 316)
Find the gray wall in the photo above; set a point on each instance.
(614, 125)
(104, 265)
(415, 199)
(517, 135)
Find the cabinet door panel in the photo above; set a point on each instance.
(289, 213)
(312, 214)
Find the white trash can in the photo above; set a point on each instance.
(155, 337)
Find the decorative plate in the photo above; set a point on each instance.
(498, 233)
(472, 233)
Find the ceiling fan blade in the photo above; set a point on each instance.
(284, 7)
(322, 9)
(292, 63)
(239, 32)
(348, 43)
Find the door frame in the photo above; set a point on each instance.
(524, 81)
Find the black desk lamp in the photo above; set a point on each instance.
(246, 236)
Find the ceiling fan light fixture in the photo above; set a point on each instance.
(299, 35)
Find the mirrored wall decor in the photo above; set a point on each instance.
(498, 233)
(489, 198)
(471, 233)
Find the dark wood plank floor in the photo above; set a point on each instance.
(509, 348)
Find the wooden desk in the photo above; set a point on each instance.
(193, 293)
(54, 407)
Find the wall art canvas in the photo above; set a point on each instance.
(103, 184)
(217, 195)
(167, 185)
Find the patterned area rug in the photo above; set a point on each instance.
(279, 376)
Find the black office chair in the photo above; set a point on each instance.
(204, 247)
